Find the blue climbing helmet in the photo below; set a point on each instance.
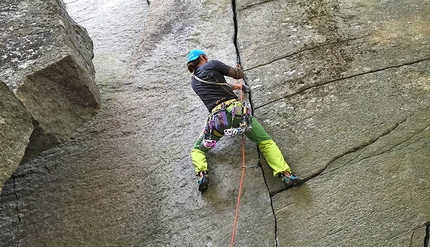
(194, 54)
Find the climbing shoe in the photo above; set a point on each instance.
(290, 180)
(203, 181)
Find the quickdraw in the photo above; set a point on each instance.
(207, 142)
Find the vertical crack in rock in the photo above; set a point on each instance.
(272, 207)
(427, 237)
(236, 45)
(301, 90)
(236, 30)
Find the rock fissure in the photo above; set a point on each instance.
(405, 140)
(236, 44)
(271, 206)
(256, 4)
(427, 237)
(387, 150)
(400, 143)
(338, 43)
(308, 87)
(357, 148)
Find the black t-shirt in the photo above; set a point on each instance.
(212, 94)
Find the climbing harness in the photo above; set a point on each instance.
(245, 125)
(217, 120)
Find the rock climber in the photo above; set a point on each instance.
(227, 116)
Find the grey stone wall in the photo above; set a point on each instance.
(46, 62)
(15, 131)
(341, 86)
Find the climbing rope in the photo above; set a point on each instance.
(241, 177)
(244, 80)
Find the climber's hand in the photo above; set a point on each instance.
(245, 88)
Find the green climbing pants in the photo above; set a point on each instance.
(257, 134)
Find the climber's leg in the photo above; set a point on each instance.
(268, 147)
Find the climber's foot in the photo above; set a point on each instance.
(203, 181)
(290, 180)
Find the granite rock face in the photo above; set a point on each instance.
(341, 86)
(46, 62)
(15, 131)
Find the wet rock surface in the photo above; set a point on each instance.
(342, 87)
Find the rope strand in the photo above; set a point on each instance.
(241, 180)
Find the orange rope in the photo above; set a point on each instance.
(241, 181)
